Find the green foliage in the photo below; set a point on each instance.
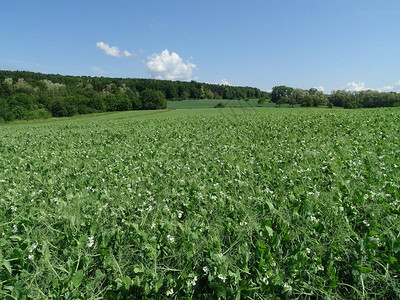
(196, 204)
(262, 100)
(69, 95)
(346, 99)
(366, 99)
(278, 92)
(210, 103)
(153, 100)
(308, 98)
(64, 107)
(219, 105)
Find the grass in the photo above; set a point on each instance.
(245, 203)
(210, 103)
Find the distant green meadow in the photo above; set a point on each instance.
(204, 203)
(208, 103)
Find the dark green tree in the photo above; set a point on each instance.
(151, 99)
(280, 91)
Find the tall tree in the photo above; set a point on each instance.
(280, 91)
(151, 99)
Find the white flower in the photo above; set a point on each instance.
(206, 270)
(192, 282)
(170, 292)
(90, 242)
(13, 208)
(15, 229)
(375, 239)
(308, 250)
(222, 277)
(30, 256)
(170, 238)
(287, 287)
(180, 213)
(33, 247)
(265, 280)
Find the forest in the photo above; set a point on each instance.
(29, 95)
(342, 98)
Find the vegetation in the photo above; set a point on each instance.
(347, 99)
(219, 105)
(365, 99)
(199, 204)
(27, 95)
(209, 103)
(153, 100)
(263, 100)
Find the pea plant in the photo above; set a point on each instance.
(252, 204)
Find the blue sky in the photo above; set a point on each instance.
(330, 44)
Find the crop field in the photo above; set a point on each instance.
(257, 203)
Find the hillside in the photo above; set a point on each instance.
(28, 95)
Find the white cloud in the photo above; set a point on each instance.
(387, 88)
(390, 88)
(126, 53)
(355, 86)
(169, 66)
(395, 87)
(360, 86)
(112, 50)
(224, 82)
(320, 88)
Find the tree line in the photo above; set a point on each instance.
(29, 95)
(364, 99)
(348, 99)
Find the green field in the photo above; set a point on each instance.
(209, 103)
(233, 203)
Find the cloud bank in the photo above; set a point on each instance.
(224, 82)
(169, 66)
(355, 86)
(360, 86)
(112, 50)
(394, 87)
